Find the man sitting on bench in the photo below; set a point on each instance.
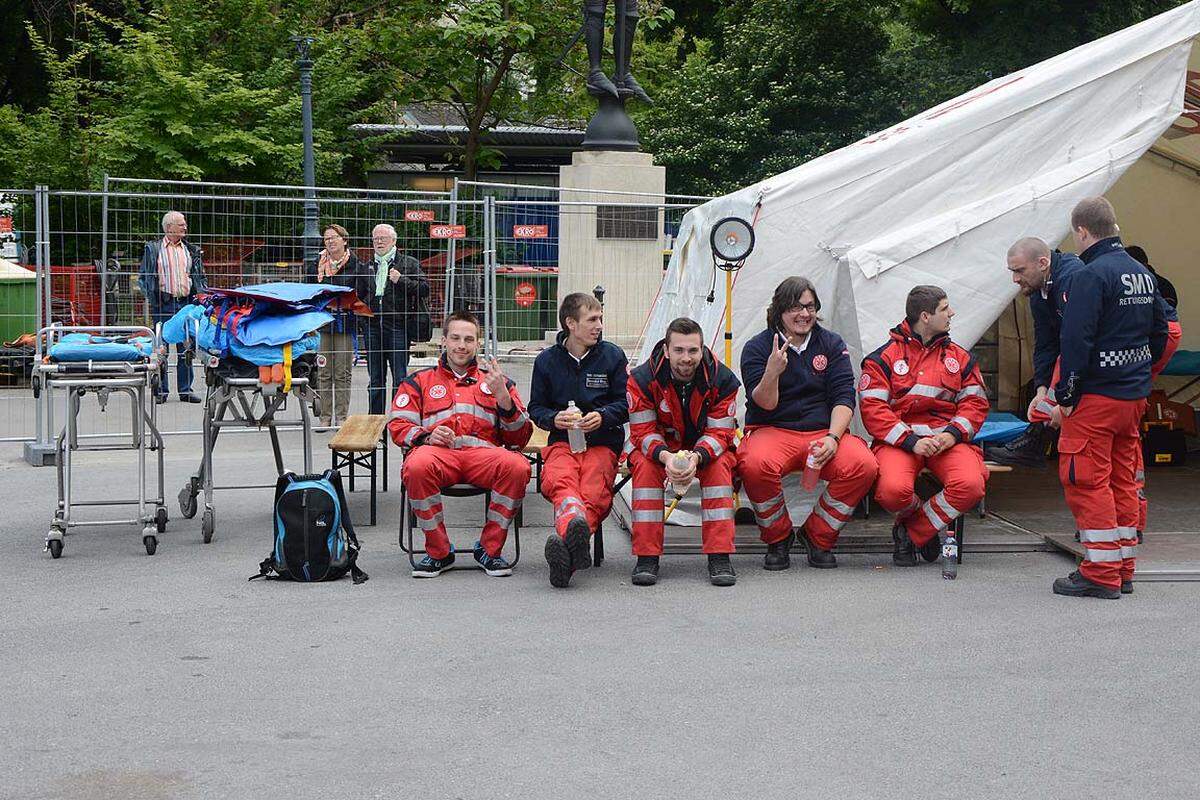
(581, 368)
(922, 398)
(682, 405)
(458, 417)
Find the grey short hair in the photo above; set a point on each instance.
(167, 217)
(1030, 248)
(385, 227)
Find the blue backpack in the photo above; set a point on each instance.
(314, 538)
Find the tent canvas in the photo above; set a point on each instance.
(939, 197)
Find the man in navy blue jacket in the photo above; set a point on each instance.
(1044, 276)
(1113, 330)
(583, 368)
(799, 402)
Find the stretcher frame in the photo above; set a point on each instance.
(138, 380)
(243, 403)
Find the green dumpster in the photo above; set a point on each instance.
(526, 303)
(18, 301)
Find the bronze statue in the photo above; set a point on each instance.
(598, 84)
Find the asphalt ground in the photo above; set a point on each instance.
(129, 676)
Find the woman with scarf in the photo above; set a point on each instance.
(340, 267)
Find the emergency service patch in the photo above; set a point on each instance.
(483, 387)
(820, 362)
(864, 382)
(951, 365)
(665, 406)
(437, 391)
(593, 380)
(402, 401)
(900, 367)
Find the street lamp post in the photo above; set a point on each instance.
(312, 236)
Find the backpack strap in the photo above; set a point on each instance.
(265, 569)
(356, 575)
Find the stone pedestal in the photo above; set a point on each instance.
(617, 246)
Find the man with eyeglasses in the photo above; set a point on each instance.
(799, 403)
(400, 305)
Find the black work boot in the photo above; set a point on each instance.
(627, 86)
(777, 553)
(931, 551)
(645, 572)
(1075, 585)
(903, 552)
(1126, 587)
(598, 83)
(818, 558)
(720, 570)
(1027, 450)
(558, 559)
(579, 541)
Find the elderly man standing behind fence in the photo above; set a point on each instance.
(400, 305)
(171, 275)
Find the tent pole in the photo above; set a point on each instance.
(729, 318)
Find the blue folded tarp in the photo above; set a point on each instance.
(1184, 362)
(86, 347)
(192, 322)
(1000, 427)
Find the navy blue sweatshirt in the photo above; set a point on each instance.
(815, 381)
(1047, 315)
(597, 383)
(1113, 327)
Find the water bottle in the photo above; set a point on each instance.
(812, 473)
(681, 461)
(950, 557)
(576, 438)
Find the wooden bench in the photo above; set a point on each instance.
(357, 443)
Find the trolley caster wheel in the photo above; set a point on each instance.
(55, 545)
(187, 499)
(150, 541)
(160, 519)
(207, 522)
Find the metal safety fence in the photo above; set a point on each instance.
(506, 252)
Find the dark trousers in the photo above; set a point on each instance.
(387, 347)
(162, 308)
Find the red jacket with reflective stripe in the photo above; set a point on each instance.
(656, 418)
(909, 390)
(436, 396)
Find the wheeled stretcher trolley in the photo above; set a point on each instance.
(237, 397)
(102, 361)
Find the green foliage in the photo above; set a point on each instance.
(743, 89)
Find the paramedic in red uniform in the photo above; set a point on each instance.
(1114, 329)
(458, 419)
(800, 393)
(1045, 278)
(582, 368)
(682, 399)
(923, 399)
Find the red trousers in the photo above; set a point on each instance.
(1041, 412)
(1097, 463)
(961, 472)
(716, 504)
(428, 469)
(578, 484)
(766, 454)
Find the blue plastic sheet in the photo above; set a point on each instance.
(1184, 362)
(86, 347)
(1000, 427)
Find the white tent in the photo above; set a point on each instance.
(939, 198)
